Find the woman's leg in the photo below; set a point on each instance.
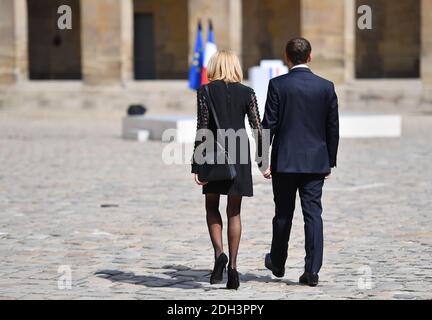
(214, 222)
(234, 228)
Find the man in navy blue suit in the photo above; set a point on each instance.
(301, 113)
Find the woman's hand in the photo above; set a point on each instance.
(267, 173)
(197, 180)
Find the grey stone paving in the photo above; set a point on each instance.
(151, 241)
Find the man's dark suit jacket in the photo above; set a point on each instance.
(302, 114)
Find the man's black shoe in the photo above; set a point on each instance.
(310, 279)
(269, 265)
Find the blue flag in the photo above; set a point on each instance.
(197, 62)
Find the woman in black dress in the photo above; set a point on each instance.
(232, 102)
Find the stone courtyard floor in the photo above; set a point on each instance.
(76, 199)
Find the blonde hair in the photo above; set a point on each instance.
(224, 65)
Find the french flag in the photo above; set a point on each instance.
(210, 49)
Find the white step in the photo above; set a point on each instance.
(182, 128)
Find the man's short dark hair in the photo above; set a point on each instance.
(298, 50)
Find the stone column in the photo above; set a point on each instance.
(426, 43)
(7, 42)
(226, 16)
(13, 41)
(106, 41)
(350, 29)
(235, 23)
(323, 24)
(127, 17)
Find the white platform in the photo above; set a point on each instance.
(352, 125)
(259, 78)
(363, 125)
(184, 127)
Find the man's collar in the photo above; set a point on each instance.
(300, 66)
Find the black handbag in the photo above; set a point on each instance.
(213, 169)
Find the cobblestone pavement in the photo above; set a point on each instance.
(74, 195)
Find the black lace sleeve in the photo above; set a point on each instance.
(255, 124)
(202, 122)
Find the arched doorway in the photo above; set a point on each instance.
(391, 49)
(53, 53)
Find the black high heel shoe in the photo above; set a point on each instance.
(218, 269)
(233, 279)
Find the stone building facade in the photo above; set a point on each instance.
(138, 51)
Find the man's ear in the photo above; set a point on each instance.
(309, 59)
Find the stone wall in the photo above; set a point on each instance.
(161, 97)
(322, 22)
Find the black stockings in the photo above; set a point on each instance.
(214, 223)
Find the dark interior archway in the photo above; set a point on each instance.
(392, 48)
(53, 53)
(161, 39)
(267, 26)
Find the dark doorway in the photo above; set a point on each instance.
(53, 53)
(144, 46)
(391, 49)
(267, 25)
(161, 40)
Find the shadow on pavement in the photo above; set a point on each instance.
(178, 276)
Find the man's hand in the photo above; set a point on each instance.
(328, 175)
(267, 173)
(197, 180)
